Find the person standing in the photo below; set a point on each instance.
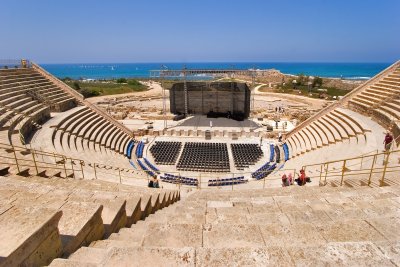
(388, 141)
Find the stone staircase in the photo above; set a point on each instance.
(44, 218)
(293, 226)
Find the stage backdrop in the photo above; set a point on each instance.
(205, 97)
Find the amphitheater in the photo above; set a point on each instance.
(74, 184)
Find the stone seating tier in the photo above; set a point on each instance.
(293, 226)
(65, 214)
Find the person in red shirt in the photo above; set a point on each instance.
(303, 179)
(388, 141)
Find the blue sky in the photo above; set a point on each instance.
(77, 31)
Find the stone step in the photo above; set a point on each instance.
(331, 254)
(31, 236)
(89, 255)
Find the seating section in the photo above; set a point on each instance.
(129, 149)
(263, 171)
(277, 154)
(204, 157)
(227, 181)
(245, 155)
(151, 165)
(177, 179)
(27, 97)
(30, 82)
(145, 169)
(292, 226)
(165, 153)
(83, 129)
(271, 152)
(379, 97)
(336, 126)
(286, 151)
(20, 113)
(381, 92)
(53, 217)
(139, 149)
(382, 101)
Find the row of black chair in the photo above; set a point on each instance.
(165, 153)
(177, 179)
(227, 181)
(245, 155)
(204, 157)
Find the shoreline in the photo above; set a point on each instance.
(350, 79)
(350, 71)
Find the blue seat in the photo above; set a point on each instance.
(286, 151)
(271, 152)
(129, 149)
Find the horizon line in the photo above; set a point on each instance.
(223, 62)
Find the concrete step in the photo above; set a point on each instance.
(31, 236)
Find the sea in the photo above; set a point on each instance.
(350, 71)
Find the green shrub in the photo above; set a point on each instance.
(89, 93)
(76, 85)
(317, 82)
(134, 82)
(121, 80)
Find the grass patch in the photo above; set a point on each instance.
(109, 87)
(303, 90)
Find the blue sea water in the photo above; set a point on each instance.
(142, 70)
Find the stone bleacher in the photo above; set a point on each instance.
(85, 129)
(65, 214)
(382, 101)
(334, 127)
(30, 82)
(293, 226)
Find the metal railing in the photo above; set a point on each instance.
(365, 169)
(43, 163)
(14, 63)
(38, 162)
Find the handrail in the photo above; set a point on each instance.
(341, 160)
(342, 101)
(79, 169)
(35, 95)
(81, 98)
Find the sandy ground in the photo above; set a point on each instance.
(144, 107)
(154, 90)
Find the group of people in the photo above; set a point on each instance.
(302, 179)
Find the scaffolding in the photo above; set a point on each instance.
(185, 73)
